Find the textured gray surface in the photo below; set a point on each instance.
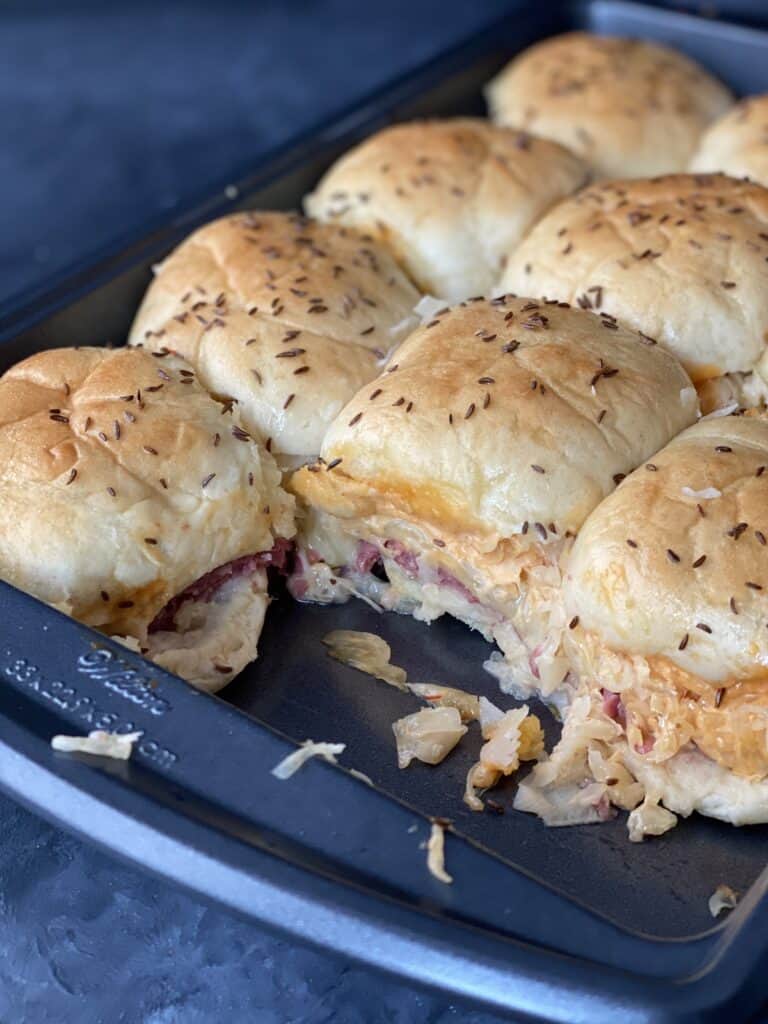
(87, 940)
(113, 114)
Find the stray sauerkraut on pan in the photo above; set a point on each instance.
(436, 853)
(298, 758)
(366, 652)
(723, 898)
(104, 744)
(510, 737)
(430, 734)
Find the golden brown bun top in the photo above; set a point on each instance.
(122, 482)
(450, 198)
(737, 143)
(629, 108)
(680, 551)
(681, 258)
(501, 413)
(287, 316)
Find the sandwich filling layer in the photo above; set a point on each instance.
(662, 708)
(508, 590)
(659, 735)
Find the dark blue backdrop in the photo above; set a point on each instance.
(112, 114)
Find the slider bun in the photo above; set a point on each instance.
(681, 258)
(461, 456)
(66, 538)
(449, 198)
(629, 108)
(738, 143)
(254, 297)
(639, 600)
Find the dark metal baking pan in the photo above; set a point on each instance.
(572, 924)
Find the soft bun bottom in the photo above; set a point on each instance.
(690, 781)
(214, 639)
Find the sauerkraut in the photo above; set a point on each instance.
(100, 742)
(467, 704)
(436, 854)
(290, 765)
(428, 735)
(366, 652)
(511, 737)
(723, 898)
(649, 819)
(584, 777)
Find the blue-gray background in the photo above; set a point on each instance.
(112, 114)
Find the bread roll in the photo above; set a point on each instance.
(630, 109)
(450, 198)
(287, 317)
(737, 143)
(465, 469)
(706, 497)
(123, 483)
(667, 584)
(680, 258)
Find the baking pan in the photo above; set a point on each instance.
(553, 924)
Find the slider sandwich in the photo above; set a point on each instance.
(684, 259)
(449, 198)
(737, 143)
(666, 592)
(283, 316)
(456, 481)
(134, 502)
(629, 108)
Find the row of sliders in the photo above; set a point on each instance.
(294, 398)
(542, 475)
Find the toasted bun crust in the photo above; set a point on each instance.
(450, 198)
(629, 108)
(92, 472)
(472, 435)
(737, 143)
(253, 299)
(680, 258)
(645, 599)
